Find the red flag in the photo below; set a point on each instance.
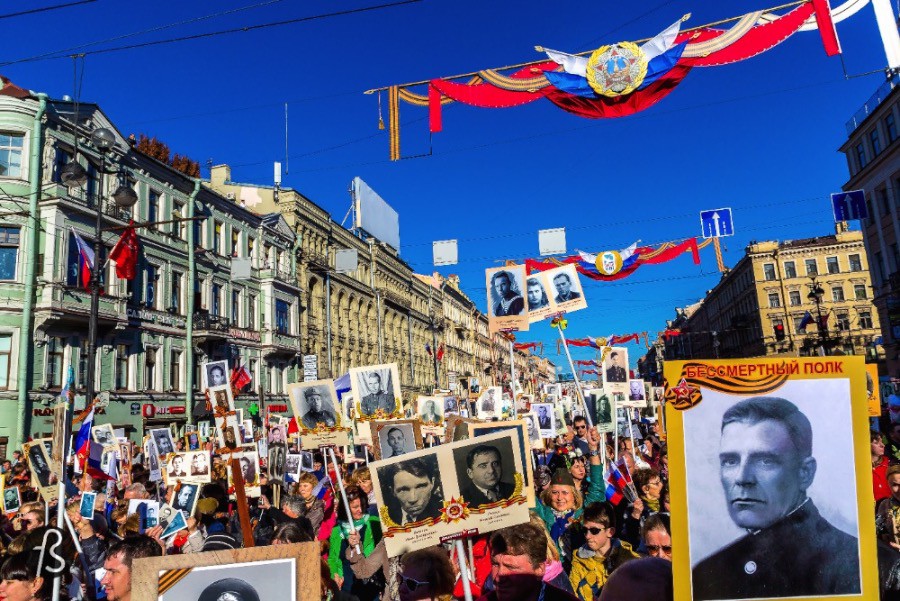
(125, 254)
(440, 352)
(240, 377)
(825, 23)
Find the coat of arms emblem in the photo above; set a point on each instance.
(616, 69)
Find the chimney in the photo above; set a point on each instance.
(219, 175)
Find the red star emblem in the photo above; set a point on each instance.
(683, 392)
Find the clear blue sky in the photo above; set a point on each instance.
(760, 136)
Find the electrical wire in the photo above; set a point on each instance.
(44, 9)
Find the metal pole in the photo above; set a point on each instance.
(95, 287)
(512, 375)
(337, 474)
(587, 413)
(189, 322)
(434, 361)
(463, 570)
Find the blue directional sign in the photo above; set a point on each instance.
(849, 205)
(716, 223)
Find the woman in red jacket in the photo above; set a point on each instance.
(879, 469)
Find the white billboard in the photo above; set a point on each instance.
(374, 215)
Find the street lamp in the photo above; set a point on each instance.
(816, 294)
(103, 140)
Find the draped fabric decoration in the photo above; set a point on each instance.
(619, 340)
(590, 371)
(589, 362)
(617, 80)
(590, 342)
(522, 346)
(669, 334)
(586, 263)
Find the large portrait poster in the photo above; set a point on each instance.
(507, 309)
(376, 389)
(318, 413)
(554, 291)
(770, 484)
(615, 371)
(439, 493)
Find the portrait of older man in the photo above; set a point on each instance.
(378, 394)
(317, 410)
(484, 468)
(412, 490)
(766, 465)
(430, 414)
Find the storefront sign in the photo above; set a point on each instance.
(163, 319)
(244, 334)
(152, 410)
(48, 411)
(135, 409)
(277, 408)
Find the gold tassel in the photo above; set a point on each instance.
(380, 118)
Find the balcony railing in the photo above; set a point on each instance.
(211, 323)
(872, 103)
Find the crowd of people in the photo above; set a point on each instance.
(578, 544)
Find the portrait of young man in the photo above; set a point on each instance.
(216, 374)
(317, 408)
(377, 392)
(412, 490)
(396, 440)
(616, 372)
(564, 292)
(506, 295)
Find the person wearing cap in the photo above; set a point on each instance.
(316, 411)
(229, 589)
(562, 503)
(601, 553)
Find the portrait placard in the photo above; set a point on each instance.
(86, 505)
(376, 389)
(292, 466)
(554, 291)
(190, 466)
(163, 439)
(12, 499)
(225, 420)
(249, 463)
(615, 371)
(546, 419)
(430, 410)
(457, 427)
(151, 459)
(439, 493)
(214, 374)
(185, 497)
(636, 391)
(284, 572)
(759, 446)
(318, 414)
(506, 299)
(103, 434)
(520, 427)
(395, 437)
(531, 430)
(42, 472)
(61, 433)
(490, 404)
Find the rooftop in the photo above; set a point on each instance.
(883, 91)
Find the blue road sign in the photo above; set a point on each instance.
(716, 223)
(849, 205)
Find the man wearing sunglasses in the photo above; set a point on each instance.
(600, 554)
(579, 424)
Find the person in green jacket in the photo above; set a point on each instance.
(368, 528)
(561, 503)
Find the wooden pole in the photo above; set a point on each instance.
(243, 509)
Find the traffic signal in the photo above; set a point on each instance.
(779, 331)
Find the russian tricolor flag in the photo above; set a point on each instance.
(85, 259)
(82, 441)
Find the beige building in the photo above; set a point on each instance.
(758, 306)
(873, 160)
(382, 312)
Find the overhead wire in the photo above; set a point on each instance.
(44, 9)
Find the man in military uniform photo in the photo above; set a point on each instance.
(377, 398)
(316, 412)
(790, 550)
(615, 372)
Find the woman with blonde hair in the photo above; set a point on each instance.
(363, 479)
(313, 508)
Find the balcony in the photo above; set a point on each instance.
(210, 327)
(275, 343)
(275, 272)
(872, 103)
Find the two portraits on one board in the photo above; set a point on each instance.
(445, 490)
(758, 454)
(554, 291)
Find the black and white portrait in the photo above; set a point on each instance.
(151, 460)
(249, 463)
(451, 405)
(546, 419)
(251, 581)
(199, 464)
(766, 521)
(185, 498)
(177, 467)
(277, 434)
(103, 434)
(306, 461)
(523, 444)
(531, 425)
(565, 287)
(636, 390)
(315, 404)
(616, 370)
(39, 463)
(412, 489)
(292, 467)
(485, 471)
(12, 500)
(203, 430)
(537, 296)
(603, 419)
(505, 292)
(165, 515)
(177, 522)
(375, 389)
(163, 439)
(215, 374)
(489, 403)
(275, 462)
(247, 431)
(395, 439)
(431, 410)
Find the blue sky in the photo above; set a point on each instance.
(760, 136)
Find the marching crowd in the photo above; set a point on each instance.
(579, 544)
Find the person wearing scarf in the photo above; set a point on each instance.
(649, 485)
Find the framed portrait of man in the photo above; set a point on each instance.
(292, 467)
(221, 399)
(277, 434)
(214, 374)
(507, 309)
(318, 413)
(615, 371)
(521, 442)
(430, 410)
(12, 499)
(396, 437)
(636, 391)
(249, 464)
(151, 460)
(760, 446)
(103, 434)
(185, 498)
(451, 405)
(163, 439)
(490, 404)
(376, 389)
(39, 463)
(546, 419)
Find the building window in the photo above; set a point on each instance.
(769, 271)
(891, 126)
(235, 246)
(837, 294)
(178, 227)
(82, 365)
(859, 291)
(198, 233)
(876, 142)
(11, 155)
(175, 305)
(9, 252)
(150, 369)
(217, 237)
(855, 263)
(253, 374)
(175, 371)
(774, 299)
(282, 317)
(811, 267)
(861, 155)
(61, 158)
(55, 348)
(151, 274)
(235, 307)
(865, 320)
(797, 322)
(121, 367)
(216, 299)
(251, 311)
(794, 296)
(251, 245)
(843, 321)
(883, 201)
(790, 270)
(832, 264)
(776, 323)
(5, 352)
(152, 207)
